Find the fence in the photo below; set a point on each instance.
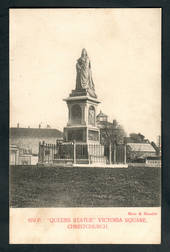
(72, 152)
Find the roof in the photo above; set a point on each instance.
(141, 147)
(35, 132)
(153, 158)
(101, 114)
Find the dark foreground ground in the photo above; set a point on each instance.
(32, 186)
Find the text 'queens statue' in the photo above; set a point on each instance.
(84, 75)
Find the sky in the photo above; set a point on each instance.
(124, 46)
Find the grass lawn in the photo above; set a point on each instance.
(33, 186)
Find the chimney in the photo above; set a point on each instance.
(39, 126)
(17, 125)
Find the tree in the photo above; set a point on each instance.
(112, 133)
(138, 138)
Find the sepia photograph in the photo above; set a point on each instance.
(85, 114)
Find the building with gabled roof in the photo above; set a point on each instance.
(141, 147)
(28, 139)
(141, 150)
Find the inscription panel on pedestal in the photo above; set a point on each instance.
(77, 135)
(93, 135)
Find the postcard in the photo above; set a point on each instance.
(85, 126)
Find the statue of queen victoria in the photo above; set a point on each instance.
(84, 75)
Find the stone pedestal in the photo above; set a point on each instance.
(82, 127)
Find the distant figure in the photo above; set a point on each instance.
(84, 75)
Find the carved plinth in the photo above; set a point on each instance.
(78, 92)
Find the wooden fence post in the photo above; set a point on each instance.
(39, 153)
(74, 152)
(124, 153)
(48, 149)
(110, 153)
(114, 159)
(43, 151)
